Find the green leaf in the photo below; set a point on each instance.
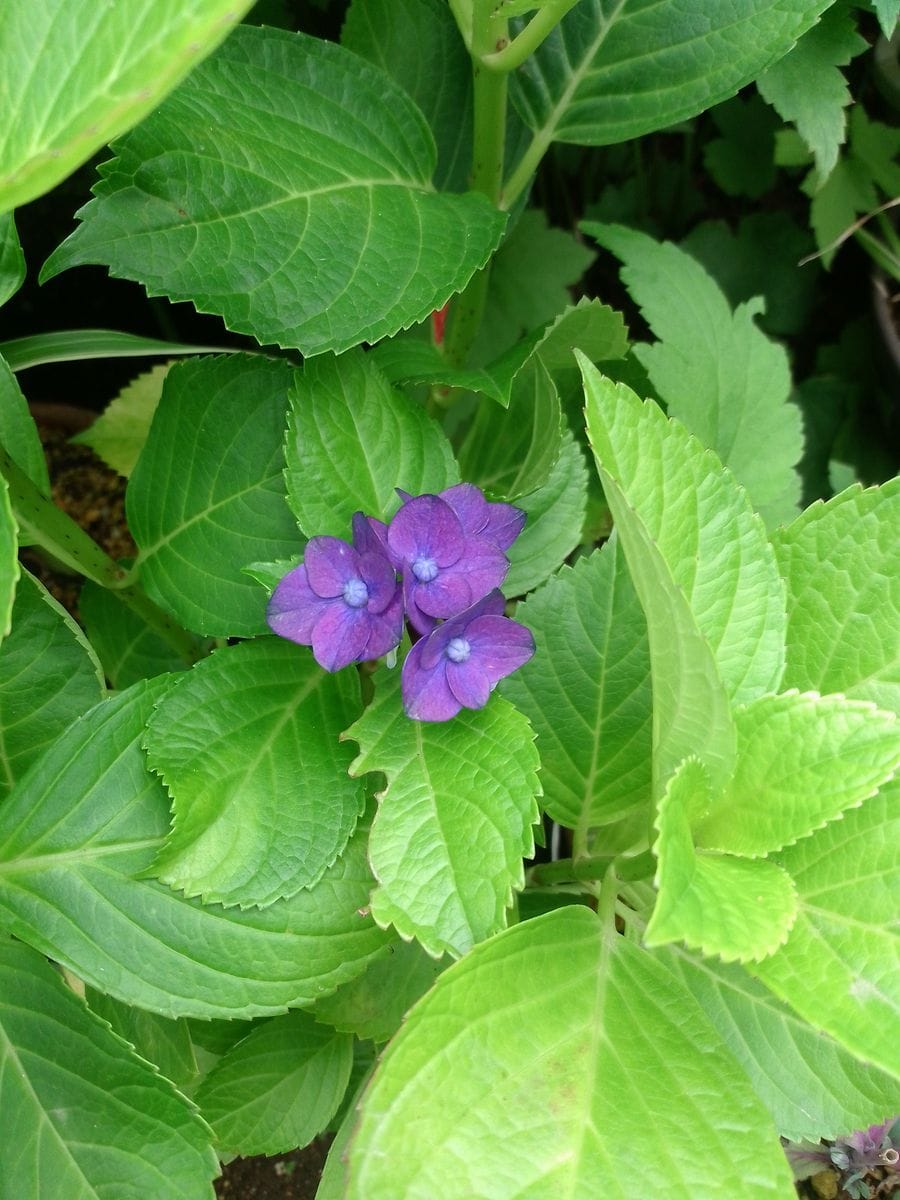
(555, 515)
(9, 560)
(809, 1083)
(84, 1117)
(587, 692)
(73, 345)
(278, 1087)
(839, 966)
(160, 1040)
(88, 820)
(79, 75)
(119, 433)
(18, 432)
(286, 187)
(12, 260)
(222, 420)
(247, 745)
(352, 439)
(703, 571)
(594, 328)
(509, 452)
(802, 760)
(417, 43)
(524, 1073)
(715, 371)
(128, 649)
(454, 821)
(606, 75)
(373, 1005)
(531, 275)
(887, 12)
(48, 677)
(807, 88)
(733, 907)
(741, 160)
(841, 564)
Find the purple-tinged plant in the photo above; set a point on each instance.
(497, 523)
(342, 600)
(855, 1155)
(460, 663)
(445, 570)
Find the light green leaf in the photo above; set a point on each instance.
(715, 371)
(840, 967)
(596, 329)
(373, 1005)
(247, 745)
(841, 564)
(128, 649)
(286, 186)
(12, 260)
(352, 439)
(73, 345)
(587, 692)
(75, 836)
(18, 432)
(119, 433)
(531, 275)
(733, 907)
(524, 1074)
(196, 526)
(70, 1091)
(509, 452)
(809, 1083)
(454, 821)
(49, 675)
(417, 43)
(703, 571)
(555, 515)
(278, 1087)
(887, 12)
(807, 88)
(609, 74)
(78, 75)
(9, 560)
(160, 1040)
(802, 760)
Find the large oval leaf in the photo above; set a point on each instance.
(286, 186)
(77, 73)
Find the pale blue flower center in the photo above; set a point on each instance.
(356, 594)
(458, 650)
(425, 569)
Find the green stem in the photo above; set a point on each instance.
(568, 870)
(527, 41)
(488, 142)
(525, 168)
(55, 532)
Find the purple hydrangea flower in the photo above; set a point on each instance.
(342, 600)
(500, 524)
(445, 569)
(462, 661)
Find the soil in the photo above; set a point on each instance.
(293, 1176)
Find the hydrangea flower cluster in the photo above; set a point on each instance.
(438, 564)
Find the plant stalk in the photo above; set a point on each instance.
(527, 41)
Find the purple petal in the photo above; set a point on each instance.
(420, 621)
(444, 596)
(426, 527)
(369, 535)
(330, 563)
(340, 636)
(385, 628)
(483, 566)
(380, 579)
(505, 523)
(431, 648)
(426, 695)
(499, 645)
(468, 683)
(469, 504)
(294, 607)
